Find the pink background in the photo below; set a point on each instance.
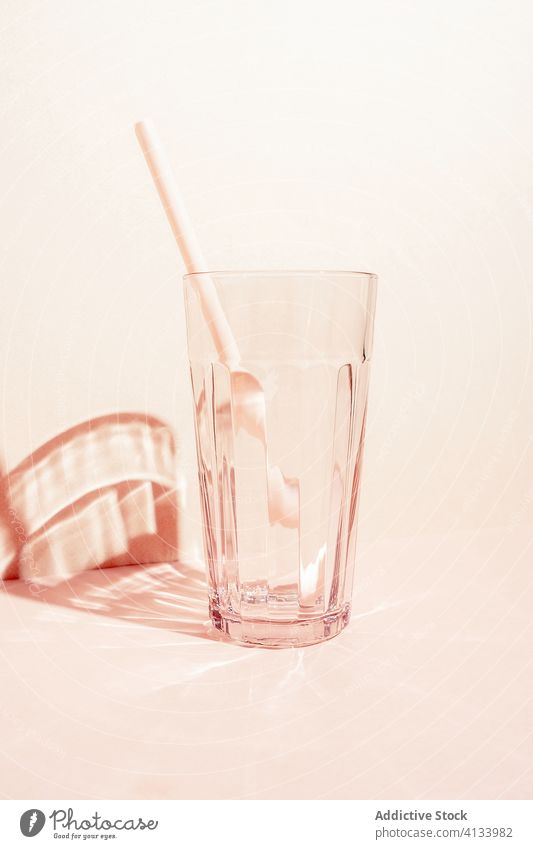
(378, 136)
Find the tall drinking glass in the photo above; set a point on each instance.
(280, 424)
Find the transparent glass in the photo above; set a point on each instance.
(280, 367)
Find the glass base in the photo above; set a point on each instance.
(281, 635)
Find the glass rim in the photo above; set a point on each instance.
(294, 272)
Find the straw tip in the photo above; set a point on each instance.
(142, 125)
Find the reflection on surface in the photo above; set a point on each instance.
(161, 595)
(103, 493)
(96, 706)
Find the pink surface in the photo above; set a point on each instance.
(114, 686)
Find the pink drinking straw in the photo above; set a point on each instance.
(185, 236)
(283, 494)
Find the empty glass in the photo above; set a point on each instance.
(280, 402)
